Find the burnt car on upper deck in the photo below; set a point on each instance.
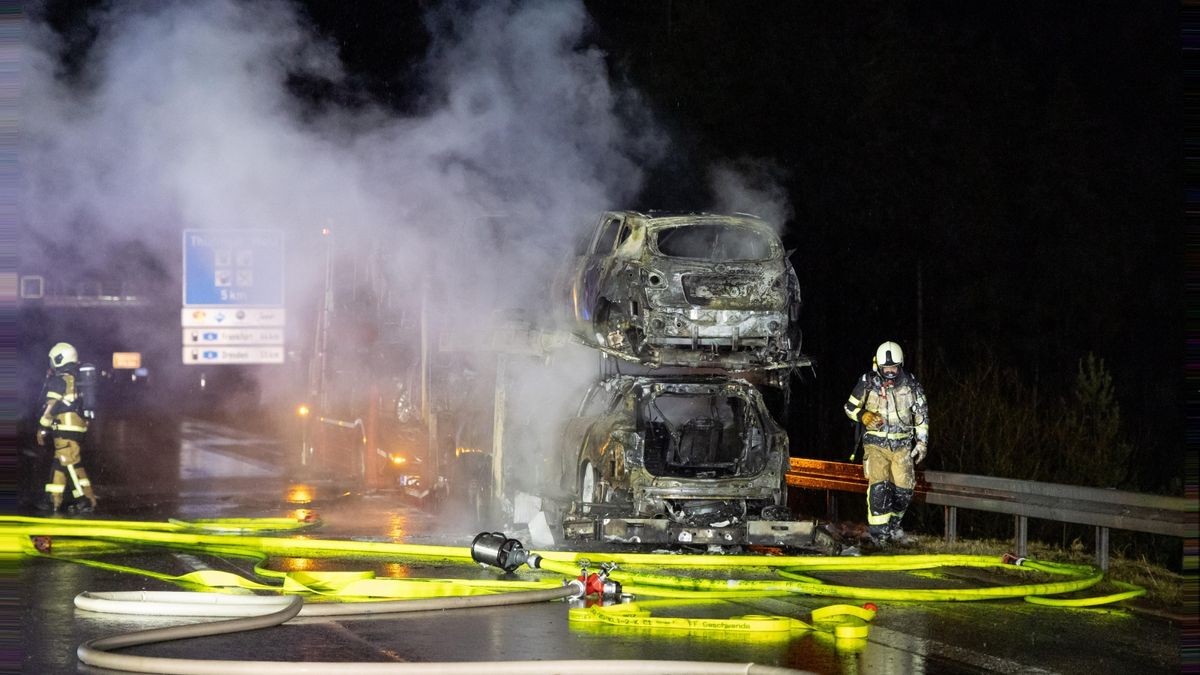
(686, 289)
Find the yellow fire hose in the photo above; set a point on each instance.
(17, 533)
(246, 538)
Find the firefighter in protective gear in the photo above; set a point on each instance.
(890, 404)
(65, 426)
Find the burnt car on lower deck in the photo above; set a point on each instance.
(694, 450)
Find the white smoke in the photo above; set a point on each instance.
(751, 186)
(183, 119)
(181, 116)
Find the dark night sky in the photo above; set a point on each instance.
(1020, 160)
(1014, 166)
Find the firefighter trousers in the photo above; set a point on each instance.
(891, 478)
(68, 470)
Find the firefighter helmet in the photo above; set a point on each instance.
(889, 354)
(63, 354)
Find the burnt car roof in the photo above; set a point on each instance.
(655, 220)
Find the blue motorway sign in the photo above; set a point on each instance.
(233, 267)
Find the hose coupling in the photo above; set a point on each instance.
(1010, 559)
(580, 588)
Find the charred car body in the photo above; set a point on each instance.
(690, 459)
(698, 290)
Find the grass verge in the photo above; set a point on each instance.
(1164, 588)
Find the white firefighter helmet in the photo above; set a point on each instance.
(63, 354)
(888, 354)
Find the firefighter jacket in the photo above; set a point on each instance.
(65, 417)
(901, 404)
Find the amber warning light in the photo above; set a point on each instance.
(302, 410)
(127, 360)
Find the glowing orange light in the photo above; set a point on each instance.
(299, 494)
(399, 459)
(302, 410)
(303, 515)
(296, 564)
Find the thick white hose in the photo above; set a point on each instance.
(179, 603)
(250, 610)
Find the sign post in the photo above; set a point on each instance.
(232, 297)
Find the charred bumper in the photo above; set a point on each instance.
(732, 361)
(800, 534)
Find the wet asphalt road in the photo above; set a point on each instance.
(201, 470)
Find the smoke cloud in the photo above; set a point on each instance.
(185, 114)
(751, 186)
(183, 118)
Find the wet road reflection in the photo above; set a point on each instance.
(195, 470)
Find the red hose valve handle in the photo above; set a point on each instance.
(1010, 559)
(598, 583)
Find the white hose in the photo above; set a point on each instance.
(179, 603)
(249, 610)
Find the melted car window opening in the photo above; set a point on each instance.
(713, 242)
(608, 237)
(697, 435)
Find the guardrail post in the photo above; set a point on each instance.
(1102, 547)
(950, 516)
(1022, 536)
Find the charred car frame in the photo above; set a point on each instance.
(694, 459)
(687, 290)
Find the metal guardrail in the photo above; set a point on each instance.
(1104, 509)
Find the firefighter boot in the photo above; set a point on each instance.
(878, 536)
(896, 534)
(82, 489)
(88, 493)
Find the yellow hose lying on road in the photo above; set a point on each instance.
(845, 622)
(847, 626)
(19, 534)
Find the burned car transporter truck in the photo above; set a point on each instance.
(700, 312)
(691, 456)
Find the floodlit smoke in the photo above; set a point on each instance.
(186, 115)
(754, 187)
(184, 118)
